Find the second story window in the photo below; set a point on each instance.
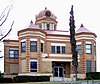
(88, 48)
(53, 49)
(94, 49)
(41, 47)
(79, 49)
(63, 49)
(13, 53)
(58, 49)
(33, 46)
(23, 46)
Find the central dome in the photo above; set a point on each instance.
(46, 20)
(46, 13)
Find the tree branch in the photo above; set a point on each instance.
(4, 15)
(7, 32)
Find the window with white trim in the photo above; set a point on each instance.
(42, 45)
(63, 49)
(13, 53)
(53, 49)
(23, 46)
(33, 45)
(79, 47)
(58, 49)
(88, 47)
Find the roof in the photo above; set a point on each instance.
(83, 29)
(42, 14)
(32, 25)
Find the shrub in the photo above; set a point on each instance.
(93, 75)
(1, 74)
(31, 78)
(6, 80)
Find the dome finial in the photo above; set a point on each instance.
(31, 22)
(45, 8)
(81, 25)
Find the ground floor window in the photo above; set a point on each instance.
(94, 66)
(88, 66)
(33, 65)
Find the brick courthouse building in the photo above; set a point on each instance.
(41, 49)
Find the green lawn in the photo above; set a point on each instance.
(39, 83)
(46, 83)
(51, 82)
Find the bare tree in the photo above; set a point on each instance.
(3, 18)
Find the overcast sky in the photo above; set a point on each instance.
(23, 11)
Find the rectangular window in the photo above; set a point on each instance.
(79, 49)
(94, 66)
(88, 66)
(16, 53)
(41, 47)
(33, 46)
(58, 49)
(88, 48)
(53, 49)
(48, 26)
(63, 49)
(33, 65)
(94, 50)
(13, 53)
(23, 46)
(54, 27)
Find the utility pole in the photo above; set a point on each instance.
(73, 41)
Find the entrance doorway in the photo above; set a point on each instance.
(58, 71)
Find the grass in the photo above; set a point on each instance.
(46, 83)
(52, 82)
(39, 83)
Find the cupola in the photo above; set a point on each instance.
(46, 20)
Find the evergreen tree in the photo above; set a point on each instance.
(73, 41)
